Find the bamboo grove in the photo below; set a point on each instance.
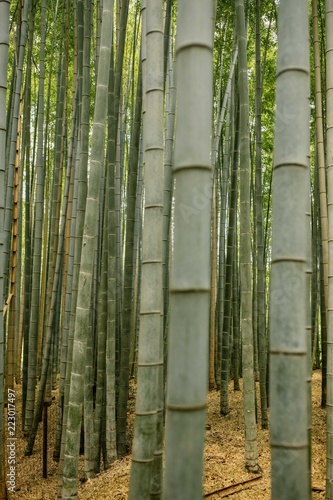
(166, 226)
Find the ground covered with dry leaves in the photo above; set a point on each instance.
(225, 474)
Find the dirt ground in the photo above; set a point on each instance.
(224, 457)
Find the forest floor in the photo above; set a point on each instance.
(225, 474)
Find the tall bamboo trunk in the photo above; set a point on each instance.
(12, 141)
(329, 159)
(35, 316)
(151, 308)
(231, 256)
(320, 148)
(187, 374)
(87, 265)
(261, 293)
(251, 452)
(4, 44)
(289, 300)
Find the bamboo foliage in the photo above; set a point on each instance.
(190, 275)
(289, 301)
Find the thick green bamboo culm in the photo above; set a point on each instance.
(38, 235)
(110, 376)
(151, 307)
(99, 442)
(125, 339)
(169, 142)
(320, 148)
(227, 310)
(224, 180)
(82, 95)
(11, 139)
(329, 160)
(68, 279)
(28, 233)
(10, 237)
(49, 327)
(74, 249)
(261, 295)
(251, 452)
(187, 372)
(87, 263)
(289, 301)
(128, 295)
(4, 44)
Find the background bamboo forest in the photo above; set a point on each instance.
(166, 227)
